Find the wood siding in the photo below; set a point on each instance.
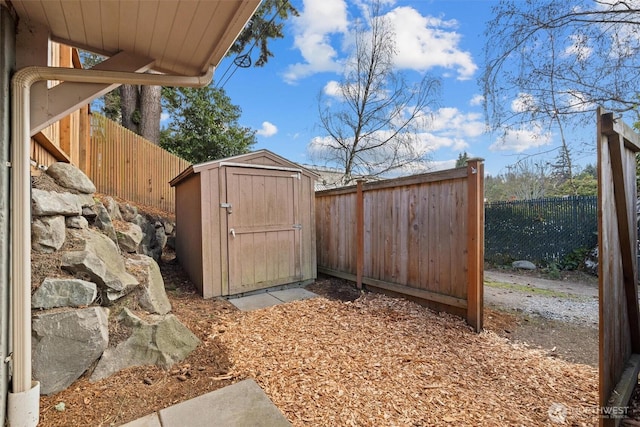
(619, 355)
(418, 237)
(126, 165)
(189, 247)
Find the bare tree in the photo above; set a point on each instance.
(373, 118)
(549, 62)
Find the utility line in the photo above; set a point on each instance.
(242, 59)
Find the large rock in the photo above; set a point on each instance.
(103, 221)
(78, 222)
(163, 341)
(169, 227)
(128, 212)
(64, 293)
(66, 344)
(129, 236)
(46, 203)
(154, 239)
(101, 262)
(47, 233)
(151, 294)
(113, 208)
(71, 177)
(523, 265)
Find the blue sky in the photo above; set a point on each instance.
(442, 38)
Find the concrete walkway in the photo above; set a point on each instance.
(239, 405)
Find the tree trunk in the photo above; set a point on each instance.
(129, 98)
(150, 110)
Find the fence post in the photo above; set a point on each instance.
(359, 232)
(475, 243)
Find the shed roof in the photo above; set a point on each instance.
(183, 37)
(241, 160)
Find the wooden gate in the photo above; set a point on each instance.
(264, 228)
(619, 361)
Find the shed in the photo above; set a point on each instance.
(246, 223)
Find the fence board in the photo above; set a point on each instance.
(417, 235)
(126, 165)
(619, 318)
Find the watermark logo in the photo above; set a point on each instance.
(558, 412)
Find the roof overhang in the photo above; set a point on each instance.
(182, 37)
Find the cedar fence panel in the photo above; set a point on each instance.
(619, 325)
(124, 164)
(420, 236)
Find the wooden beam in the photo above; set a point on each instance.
(625, 230)
(67, 97)
(612, 126)
(475, 243)
(51, 148)
(359, 234)
(401, 289)
(444, 175)
(621, 393)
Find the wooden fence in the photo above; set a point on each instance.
(126, 165)
(619, 361)
(419, 236)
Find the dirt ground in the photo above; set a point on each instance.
(138, 391)
(536, 304)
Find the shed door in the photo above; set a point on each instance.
(264, 228)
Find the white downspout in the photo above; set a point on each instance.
(23, 405)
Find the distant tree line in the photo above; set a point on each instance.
(528, 180)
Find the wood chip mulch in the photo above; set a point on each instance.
(384, 361)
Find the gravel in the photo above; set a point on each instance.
(557, 300)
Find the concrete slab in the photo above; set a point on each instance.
(255, 302)
(150, 420)
(293, 294)
(239, 405)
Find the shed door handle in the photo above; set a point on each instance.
(232, 232)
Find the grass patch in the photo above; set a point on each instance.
(534, 291)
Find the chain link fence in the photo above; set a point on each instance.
(541, 231)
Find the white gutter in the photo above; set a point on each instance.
(23, 407)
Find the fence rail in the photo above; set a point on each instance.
(420, 236)
(126, 165)
(540, 230)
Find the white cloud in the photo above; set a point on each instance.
(522, 139)
(425, 42)
(524, 102)
(579, 47)
(451, 128)
(318, 20)
(578, 102)
(267, 130)
(333, 89)
(476, 100)
(164, 117)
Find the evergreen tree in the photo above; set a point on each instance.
(203, 125)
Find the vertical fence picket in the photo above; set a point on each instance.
(126, 165)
